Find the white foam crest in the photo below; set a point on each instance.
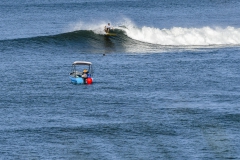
(185, 36)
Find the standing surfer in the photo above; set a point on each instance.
(107, 28)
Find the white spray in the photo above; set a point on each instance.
(185, 36)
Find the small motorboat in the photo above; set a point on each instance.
(81, 72)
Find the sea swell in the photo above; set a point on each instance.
(133, 39)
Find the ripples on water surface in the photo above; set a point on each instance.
(171, 98)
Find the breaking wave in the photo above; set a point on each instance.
(129, 38)
(176, 36)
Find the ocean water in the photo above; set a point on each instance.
(166, 87)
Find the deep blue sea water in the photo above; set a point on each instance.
(166, 87)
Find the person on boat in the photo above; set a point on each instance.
(84, 74)
(107, 28)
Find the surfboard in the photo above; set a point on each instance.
(110, 34)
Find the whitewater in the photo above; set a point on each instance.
(186, 36)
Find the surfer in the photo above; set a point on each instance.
(107, 28)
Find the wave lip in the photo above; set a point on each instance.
(178, 36)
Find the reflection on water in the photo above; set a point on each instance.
(108, 44)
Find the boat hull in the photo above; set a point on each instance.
(77, 80)
(80, 80)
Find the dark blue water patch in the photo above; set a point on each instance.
(174, 127)
(83, 41)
